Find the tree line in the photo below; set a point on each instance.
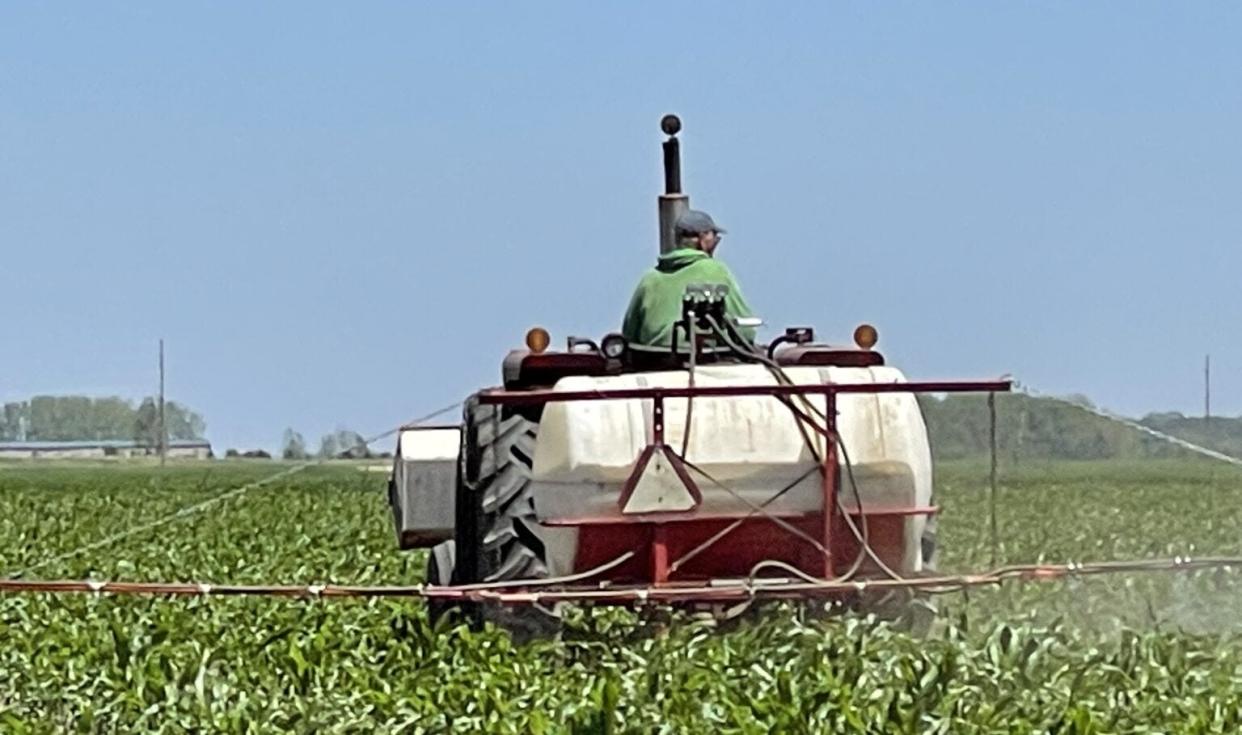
(1046, 428)
(80, 418)
(1037, 428)
(339, 444)
(958, 428)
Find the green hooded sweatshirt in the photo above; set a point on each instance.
(656, 306)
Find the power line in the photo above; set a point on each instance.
(1207, 388)
(163, 438)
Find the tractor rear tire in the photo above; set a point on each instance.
(440, 562)
(909, 610)
(918, 610)
(495, 511)
(929, 548)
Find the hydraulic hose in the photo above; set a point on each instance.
(862, 536)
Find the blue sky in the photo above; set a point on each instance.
(344, 215)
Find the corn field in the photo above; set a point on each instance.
(1125, 654)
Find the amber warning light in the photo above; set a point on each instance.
(537, 339)
(865, 336)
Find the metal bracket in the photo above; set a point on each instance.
(658, 476)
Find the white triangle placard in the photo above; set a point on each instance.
(659, 489)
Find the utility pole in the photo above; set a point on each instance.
(1207, 388)
(163, 426)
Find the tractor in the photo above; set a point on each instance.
(700, 476)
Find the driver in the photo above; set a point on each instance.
(656, 306)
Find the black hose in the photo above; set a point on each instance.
(781, 377)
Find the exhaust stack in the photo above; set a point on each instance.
(672, 202)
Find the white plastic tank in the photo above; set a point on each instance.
(751, 446)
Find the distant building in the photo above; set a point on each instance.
(177, 449)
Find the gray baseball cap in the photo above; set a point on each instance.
(694, 222)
